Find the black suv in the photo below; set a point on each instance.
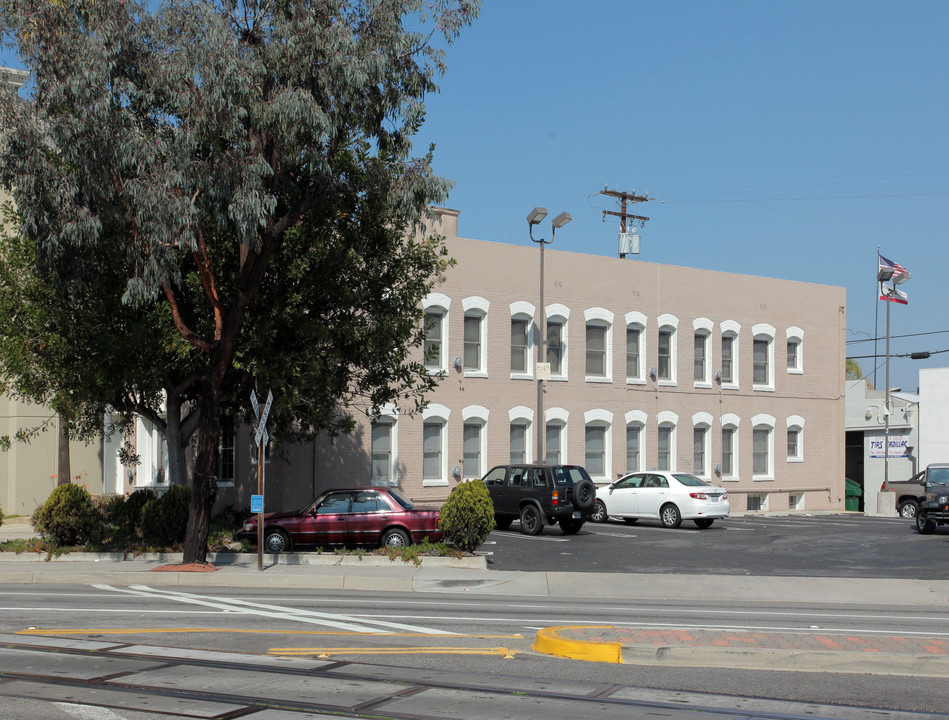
(934, 510)
(536, 494)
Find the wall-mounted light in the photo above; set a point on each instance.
(456, 472)
(457, 363)
(653, 372)
(718, 470)
(718, 376)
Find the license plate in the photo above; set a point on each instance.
(577, 515)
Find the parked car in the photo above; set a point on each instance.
(537, 494)
(910, 494)
(669, 497)
(354, 516)
(934, 510)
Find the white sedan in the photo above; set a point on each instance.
(669, 497)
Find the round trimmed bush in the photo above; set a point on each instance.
(165, 519)
(69, 516)
(468, 515)
(126, 512)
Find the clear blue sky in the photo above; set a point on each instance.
(785, 140)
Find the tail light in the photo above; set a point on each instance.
(555, 499)
(698, 496)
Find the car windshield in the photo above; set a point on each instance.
(690, 480)
(939, 476)
(403, 501)
(569, 475)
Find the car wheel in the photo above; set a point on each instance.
(570, 526)
(599, 512)
(584, 494)
(502, 523)
(630, 521)
(908, 509)
(531, 521)
(670, 516)
(924, 526)
(395, 538)
(276, 541)
(704, 522)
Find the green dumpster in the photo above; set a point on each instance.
(853, 494)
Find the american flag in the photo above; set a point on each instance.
(900, 273)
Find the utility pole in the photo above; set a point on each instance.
(625, 198)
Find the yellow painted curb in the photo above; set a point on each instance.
(550, 642)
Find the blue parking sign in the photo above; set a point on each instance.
(256, 503)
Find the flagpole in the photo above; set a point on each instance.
(886, 404)
(876, 321)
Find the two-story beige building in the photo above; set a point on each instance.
(738, 379)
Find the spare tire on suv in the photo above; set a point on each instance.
(537, 494)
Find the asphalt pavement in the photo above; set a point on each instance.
(659, 645)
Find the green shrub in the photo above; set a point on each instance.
(69, 517)
(125, 513)
(1, 515)
(165, 519)
(468, 515)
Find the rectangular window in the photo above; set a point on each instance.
(596, 351)
(728, 450)
(760, 464)
(700, 345)
(632, 447)
(433, 341)
(519, 346)
(555, 347)
(757, 502)
(665, 355)
(552, 446)
(432, 451)
(596, 449)
(472, 342)
(518, 443)
(227, 446)
(792, 354)
(382, 453)
(632, 352)
(698, 450)
(664, 446)
(472, 450)
(793, 435)
(761, 375)
(728, 349)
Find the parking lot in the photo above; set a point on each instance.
(805, 545)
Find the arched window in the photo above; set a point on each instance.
(599, 344)
(436, 332)
(597, 444)
(666, 344)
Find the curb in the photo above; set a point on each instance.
(550, 641)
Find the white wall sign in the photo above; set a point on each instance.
(897, 446)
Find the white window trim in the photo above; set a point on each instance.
(703, 326)
(560, 314)
(796, 334)
(470, 415)
(522, 310)
(388, 413)
(602, 317)
(602, 418)
(764, 331)
(639, 321)
(733, 329)
(437, 302)
(733, 422)
(440, 413)
(670, 321)
(703, 420)
(477, 306)
(639, 418)
(669, 419)
(526, 415)
(558, 416)
(796, 422)
(757, 422)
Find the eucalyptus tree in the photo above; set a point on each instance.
(223, 156)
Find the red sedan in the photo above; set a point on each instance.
(354, 516)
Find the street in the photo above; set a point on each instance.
(258, 650)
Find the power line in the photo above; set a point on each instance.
(893, 337)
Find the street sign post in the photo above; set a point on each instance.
(261, 437)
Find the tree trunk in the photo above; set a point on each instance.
(64, 475)
(177, 442)
(204, 485)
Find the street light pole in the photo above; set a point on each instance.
(534, 218)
